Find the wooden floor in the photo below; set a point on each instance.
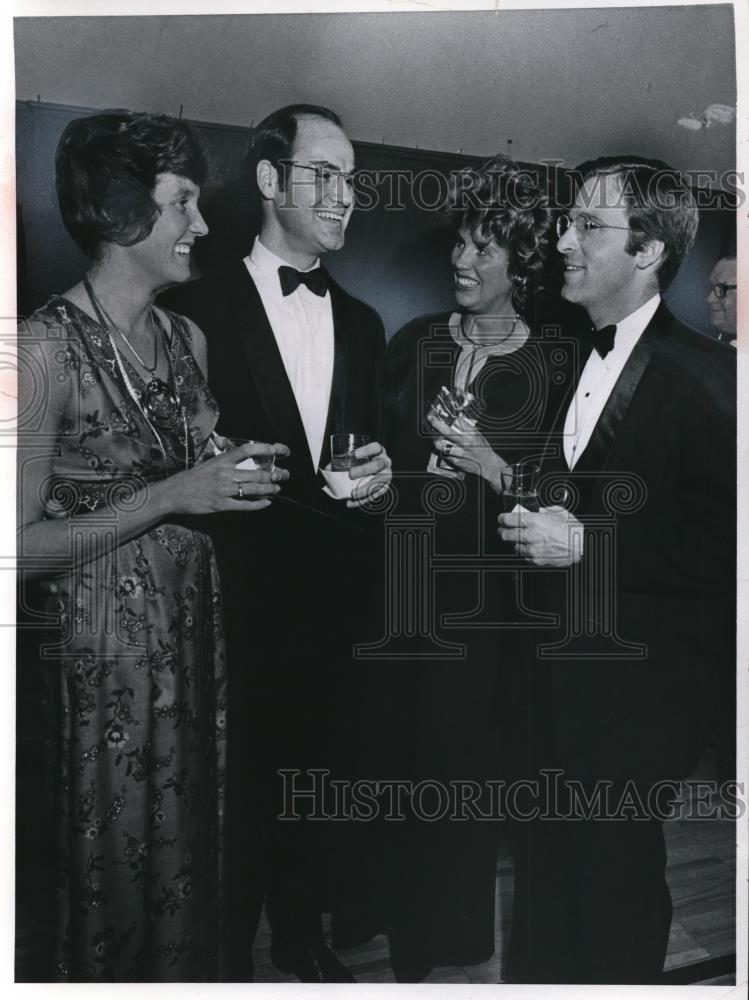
(701, 875)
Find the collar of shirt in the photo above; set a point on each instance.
(628, 332)
(263, 265)
(598, 378)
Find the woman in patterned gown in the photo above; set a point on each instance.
(117, 456)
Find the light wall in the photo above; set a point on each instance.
(564, 84)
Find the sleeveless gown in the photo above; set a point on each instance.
(136, 682)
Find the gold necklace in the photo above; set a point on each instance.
(492, 343)
(135, 354)
(102, 314)
(504, 346)
(159, 404)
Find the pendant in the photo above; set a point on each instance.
(161, 405)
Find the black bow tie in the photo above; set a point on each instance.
(291, 279)
(602, 340)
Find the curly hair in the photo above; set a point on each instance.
(499, 201)
(106, 169)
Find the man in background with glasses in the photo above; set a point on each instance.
(722, 299)
(615, 701)
(292, 357)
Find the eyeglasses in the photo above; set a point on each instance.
(324, 174)
(719, 291)
(582, 224)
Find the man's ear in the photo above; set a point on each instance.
(650, 254)
(267, 179)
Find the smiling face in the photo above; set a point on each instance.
(309, 215)
(723, 311)
(482, 287)
(163, 257)
(599, 274)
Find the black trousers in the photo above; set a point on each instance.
(591, 903)
(295, 603)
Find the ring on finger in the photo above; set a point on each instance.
(448, 448)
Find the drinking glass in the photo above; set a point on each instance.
(450, 404)
(342, 448)
(522, 488)
(264, 462)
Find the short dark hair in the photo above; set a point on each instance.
(660, 205)
(273, 139)
(106, 168)
(500, 201)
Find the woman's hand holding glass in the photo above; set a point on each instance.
(466, 448)
(216, 484)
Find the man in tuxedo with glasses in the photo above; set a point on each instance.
(293, 358)
(639, 565)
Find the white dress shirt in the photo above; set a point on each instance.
(302, 324)
(598, 378)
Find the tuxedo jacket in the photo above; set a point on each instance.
(248, 378)
(646, 620)
(289, 553)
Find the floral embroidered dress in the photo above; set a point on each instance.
(138, 676)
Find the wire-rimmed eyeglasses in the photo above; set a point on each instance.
(582, 224)
(324, 173)
(719, 290)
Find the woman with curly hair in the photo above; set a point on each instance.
(491, 348)
(116, 457)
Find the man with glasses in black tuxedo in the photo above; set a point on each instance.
(639, 564)
(293, 358)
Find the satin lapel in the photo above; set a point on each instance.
(267, 369)
(601, 442)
